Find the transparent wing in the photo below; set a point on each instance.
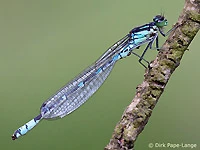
(76, 92)
(79, 96)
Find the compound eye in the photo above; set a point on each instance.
(158, 18)
(162, 18)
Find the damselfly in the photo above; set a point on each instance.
(76, 92)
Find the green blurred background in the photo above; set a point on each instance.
(44, 44)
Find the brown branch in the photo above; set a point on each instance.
(137, 114)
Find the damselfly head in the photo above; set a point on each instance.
(160, 21)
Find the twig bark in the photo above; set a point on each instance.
(137, 114)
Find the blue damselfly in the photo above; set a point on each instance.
(78, 91)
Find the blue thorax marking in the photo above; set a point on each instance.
(142, 31)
